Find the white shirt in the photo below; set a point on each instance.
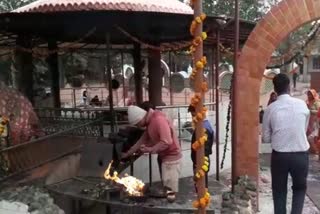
(285, 125)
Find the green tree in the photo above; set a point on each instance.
(9, 5)
(251, 10)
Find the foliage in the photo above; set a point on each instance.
(9, 5)
(249, 9)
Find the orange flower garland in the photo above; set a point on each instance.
(203, 202)
(200, 116)
(199, 65)
(3, 124)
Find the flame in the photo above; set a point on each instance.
(133, 185)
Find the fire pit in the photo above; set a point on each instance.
(124, 196)
(132, 186)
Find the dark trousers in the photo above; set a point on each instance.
(282, 164)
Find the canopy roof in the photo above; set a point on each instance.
(85, 23)
(161, 6)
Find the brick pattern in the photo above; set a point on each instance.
(284, 18)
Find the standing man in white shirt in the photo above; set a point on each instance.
(284, 126)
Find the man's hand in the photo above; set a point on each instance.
(145, 149)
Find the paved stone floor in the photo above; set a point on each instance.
(312, 201)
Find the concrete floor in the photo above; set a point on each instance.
(312, 201)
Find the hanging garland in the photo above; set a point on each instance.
(4, 163)
(200, 62)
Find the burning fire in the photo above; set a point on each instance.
(133, 185)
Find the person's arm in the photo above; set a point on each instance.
(266, 127)
(313, 111)
(137, 146)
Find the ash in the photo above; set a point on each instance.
(38, 200)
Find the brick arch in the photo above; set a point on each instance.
(275, 26)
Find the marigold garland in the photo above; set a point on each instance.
(203, 202)
(3, 125)
(197, 97)
(199, 66)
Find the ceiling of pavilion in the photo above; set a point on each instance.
(85, 23)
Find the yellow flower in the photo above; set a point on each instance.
(204, 35)
(202, 141)
(207, 194)
(198, 175)
(200, 65)
(198, 20)
(206, 163)
(205, 168)
(205, 137)
(204, 60)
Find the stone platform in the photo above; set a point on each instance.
(105, 203)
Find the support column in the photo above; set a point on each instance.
(235, 149)
(305, 69)
(216, 89)
(24, 66)
(54, 71)
(138, 66)
(155, 77)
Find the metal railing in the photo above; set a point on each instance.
(23, 157)
(71, 97)
(55, 120)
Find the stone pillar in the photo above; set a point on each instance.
(305, 69)
(24, 67)
(54, 71)
(138, 66)
(155, 77)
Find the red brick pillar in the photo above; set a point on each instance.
(282, 19)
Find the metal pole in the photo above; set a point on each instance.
(217, 60)
(74, 98)
(234, 94)
(179, 125)
(138, 73)
(150, 169)
(170, 82)
(123, 81)
(212, 77)
(108, 67)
